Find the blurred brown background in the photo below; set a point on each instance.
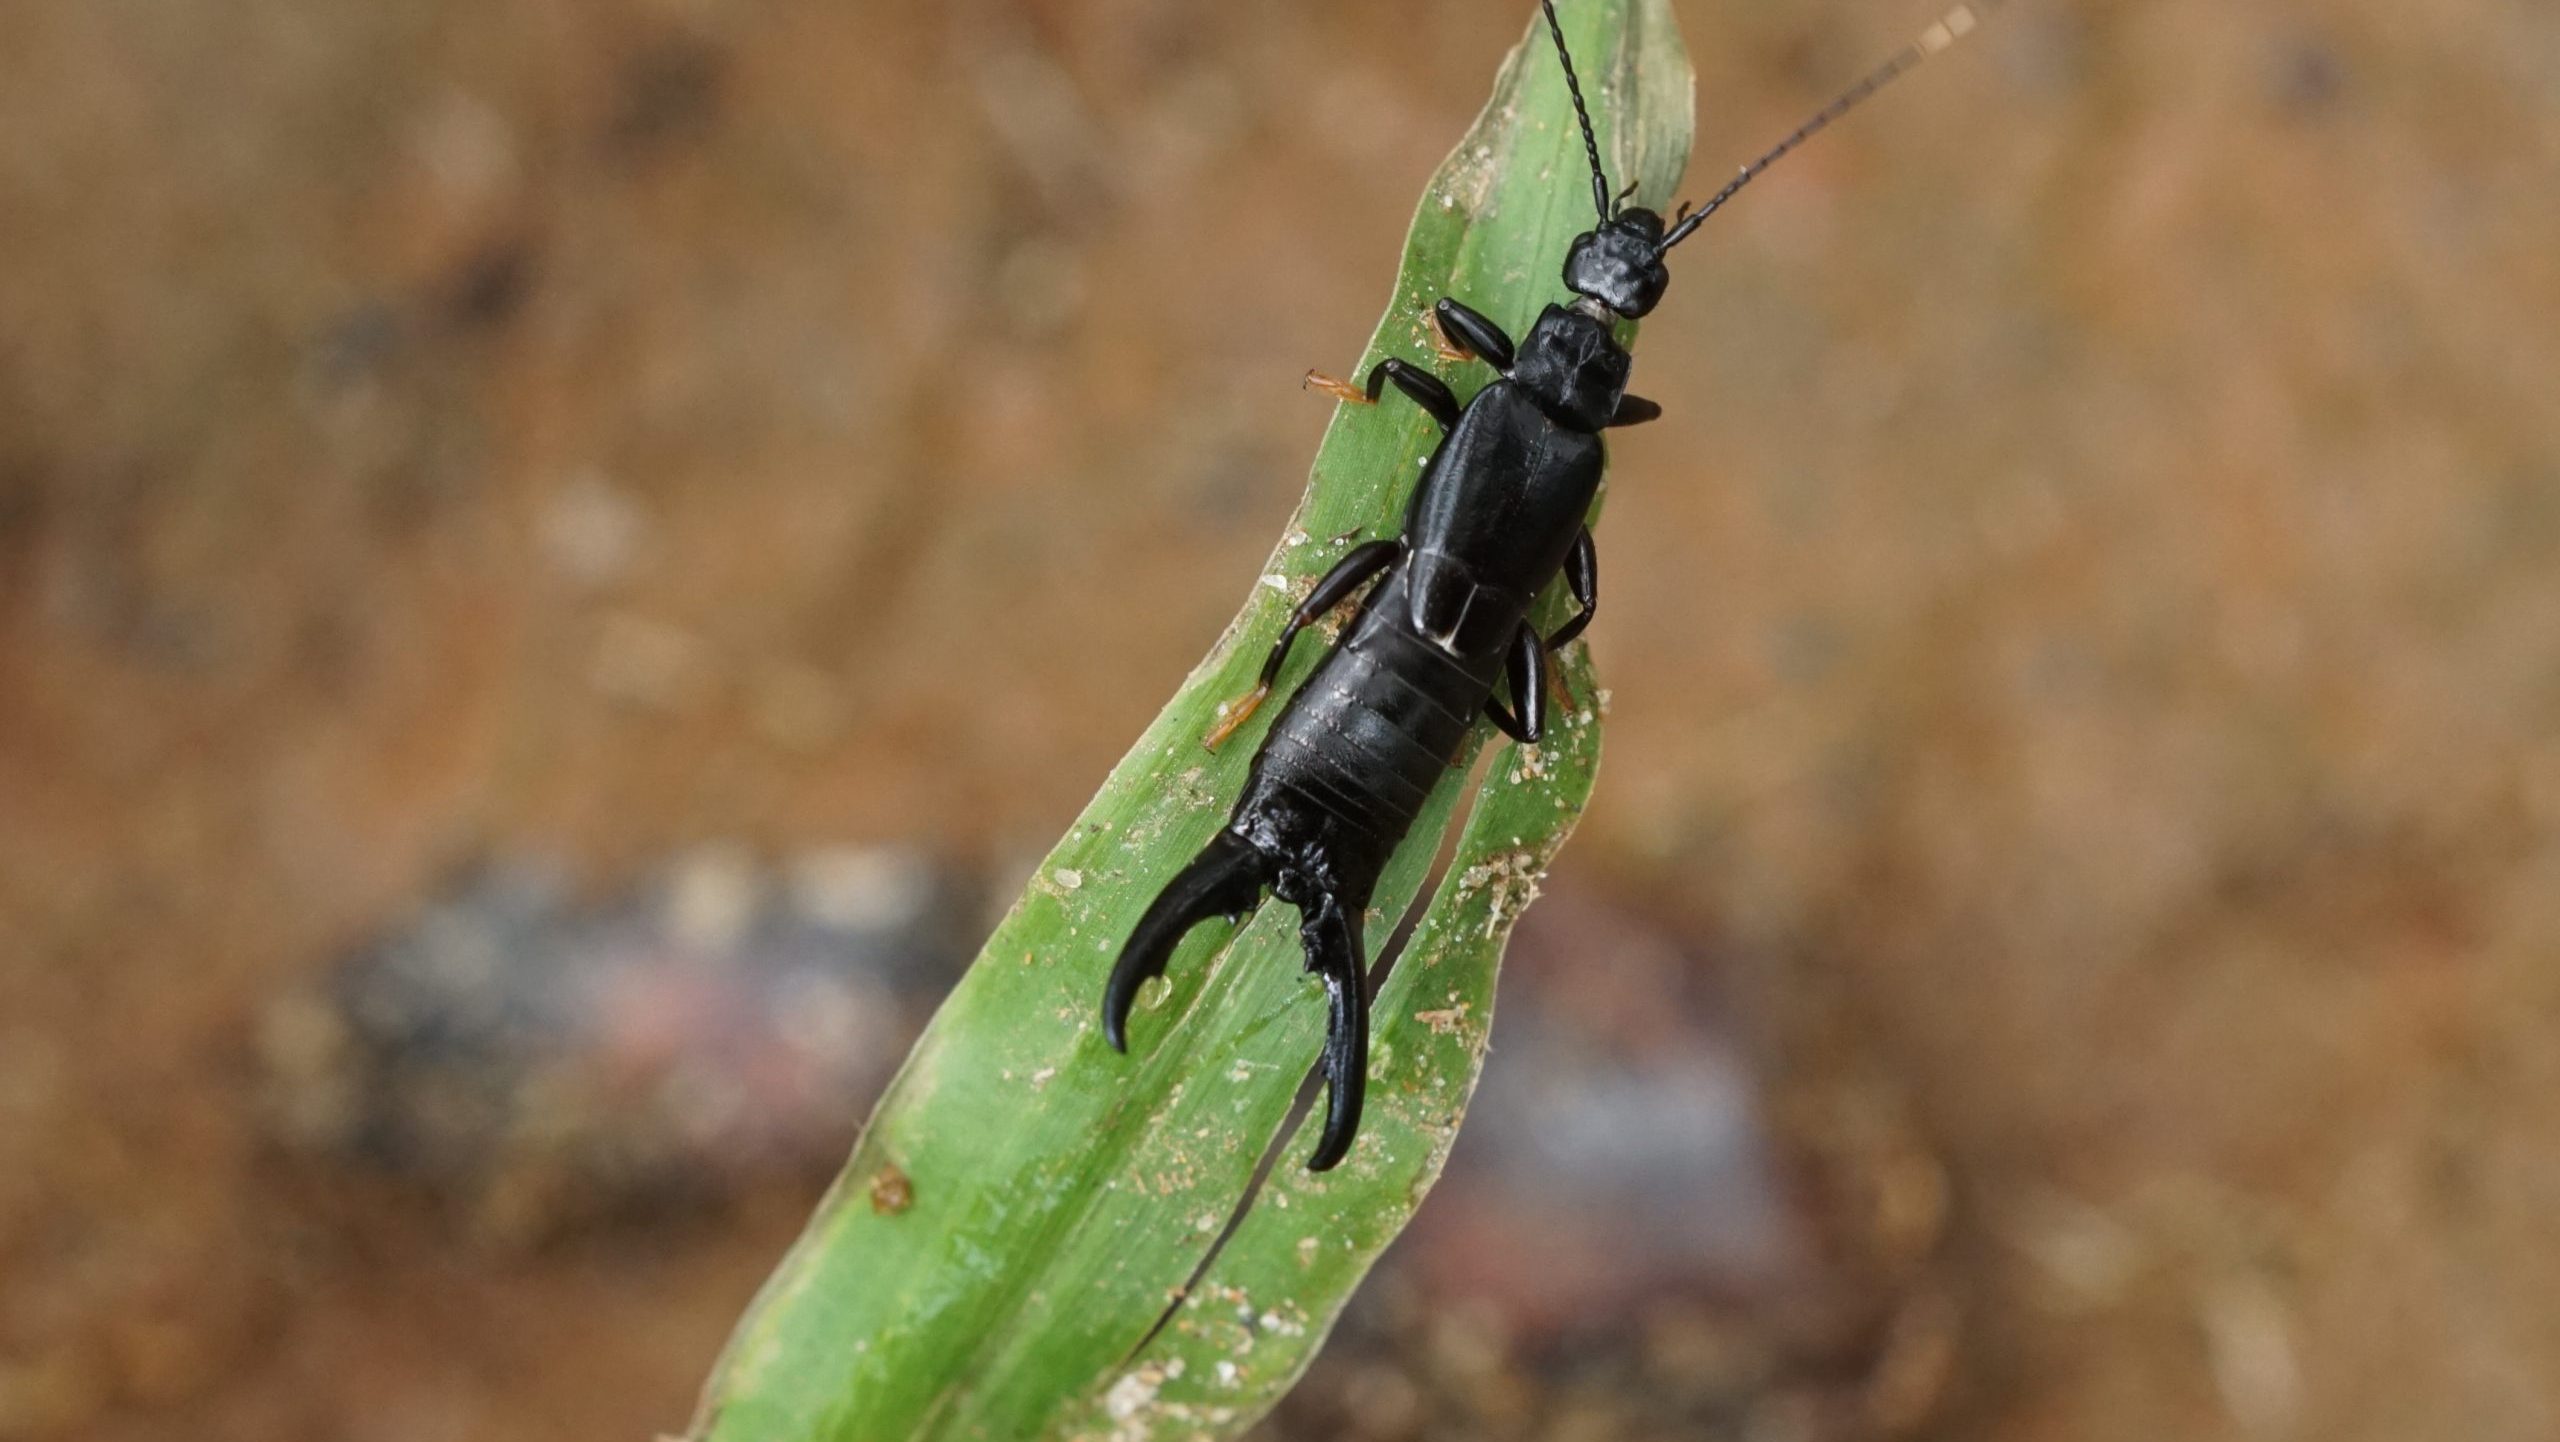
(2086, 646)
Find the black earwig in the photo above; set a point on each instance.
(1497, 516)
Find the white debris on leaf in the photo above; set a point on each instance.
(1132, 1393)
(1512, 879)
(1446, 1020)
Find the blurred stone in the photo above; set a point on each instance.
(541, 1061)
(1616, 1091)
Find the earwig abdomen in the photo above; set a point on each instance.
(1368, 736)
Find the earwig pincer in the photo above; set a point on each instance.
(1498, 515)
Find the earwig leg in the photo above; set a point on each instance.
(1582, 577)
(1234, 715)
(1528, 673)
(1332, 937)
(1420, 386)
(1347, 576)
(1529, 682)
(1471, 331)
(1225, 879)
(1635, 411)
(1338, 388)
(1443, 344)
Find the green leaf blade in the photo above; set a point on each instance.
(1025, 1204)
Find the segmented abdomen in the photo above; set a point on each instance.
(1370, 733)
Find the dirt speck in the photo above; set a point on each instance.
(891, 1191)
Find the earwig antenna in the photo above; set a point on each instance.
(1590, 142)
(1949, 28)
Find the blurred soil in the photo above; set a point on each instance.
(2086, 645)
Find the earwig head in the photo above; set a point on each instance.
(1620, 263)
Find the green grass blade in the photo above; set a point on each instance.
(1025, 1204)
